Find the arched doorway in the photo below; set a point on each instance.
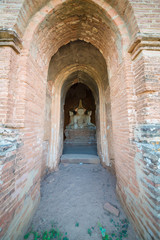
(81, 140)
(62, 75)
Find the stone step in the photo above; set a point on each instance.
(80, 158)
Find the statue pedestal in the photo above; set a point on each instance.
(84, 136)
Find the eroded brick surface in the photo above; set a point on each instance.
(126, 87)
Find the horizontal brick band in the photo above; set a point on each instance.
(144, 42)
(11, 39)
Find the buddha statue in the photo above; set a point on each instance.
(80, 130)
(80, 119)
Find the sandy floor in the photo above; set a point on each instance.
(76, 194)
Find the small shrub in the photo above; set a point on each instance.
(120, 233)
(47, 235)
(89, 231)
(77, 224)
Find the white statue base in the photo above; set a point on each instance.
(84, 136)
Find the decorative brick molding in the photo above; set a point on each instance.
(144, 42)
(11, 39)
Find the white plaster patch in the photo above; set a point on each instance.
(29, 182)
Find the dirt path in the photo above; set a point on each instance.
(76, 194)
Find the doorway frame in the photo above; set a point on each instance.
(57, 115)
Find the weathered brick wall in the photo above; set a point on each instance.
(21, 164)
(9, 11)
(109, 128)
(123, 121)
(19, 186)
(147, 137)
(78, 52)
(138, 15)
(10, 157)
(147, 15)
(147, 86)
(8, 84)
(47, 128)
(134, 94)
(4, 81)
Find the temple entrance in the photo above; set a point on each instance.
(80, 141)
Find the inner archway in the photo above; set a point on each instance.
(76, 63)
(82, 141)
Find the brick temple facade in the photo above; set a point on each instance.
(112, 47)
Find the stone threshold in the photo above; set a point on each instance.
(80, 158)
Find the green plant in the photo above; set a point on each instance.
(105, 236)
(53, 233)
(89, 231)
(121, 229)
(77, 224)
